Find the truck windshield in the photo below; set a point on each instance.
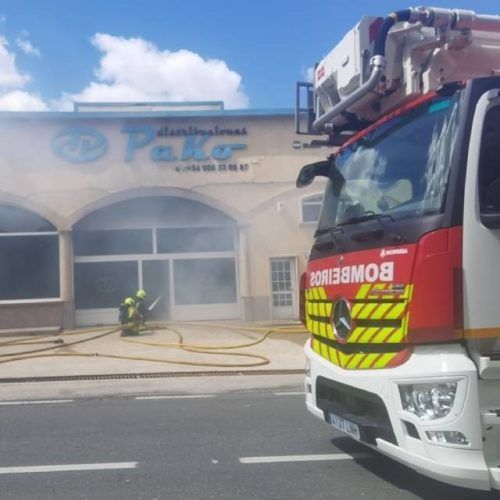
(398, 170)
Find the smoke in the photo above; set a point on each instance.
(185, 251)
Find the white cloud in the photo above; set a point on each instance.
(26, 46)
(133, 69)
(20, 100)
(12, 81)
(10, 76)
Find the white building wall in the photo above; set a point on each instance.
(260, 195)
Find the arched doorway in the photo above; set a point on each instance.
(183, 252)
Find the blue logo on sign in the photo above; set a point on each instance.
(79, 144)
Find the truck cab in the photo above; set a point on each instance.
(400, 293)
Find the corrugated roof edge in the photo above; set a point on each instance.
(148, 114)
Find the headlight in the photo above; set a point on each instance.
(449, 437)
(428, 401)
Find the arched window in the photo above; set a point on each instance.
(181, 251)
(311, 207)
(29, 256)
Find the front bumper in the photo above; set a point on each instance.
(371, 399)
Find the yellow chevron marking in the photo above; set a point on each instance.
(355, 361)
(329, 331)
(322, 329)
(342, 358)
(322, 309)
(358, 332)
(396, 311)
(383, 360)
(366, 312)
(381, 335)
(363, 291)
(309, 307)
(328, 308)
(315, 345)
(315, 327)
(318, 329)
(356, 309)
(322, 293)
(380, 311)
(365, 336)
(397, 336)
(324, 350)
(367, 361)
(333, 355)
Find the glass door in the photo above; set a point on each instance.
(156, 283)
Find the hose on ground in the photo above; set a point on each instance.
(258, 360)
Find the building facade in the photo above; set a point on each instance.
(198, 206)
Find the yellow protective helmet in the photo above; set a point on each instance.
(141, 294)
(129, 301)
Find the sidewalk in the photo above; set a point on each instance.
(77, 354)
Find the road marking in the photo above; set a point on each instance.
(67, 467)
(41, 402)
(193, 396)
(303, 458)
(289, 393)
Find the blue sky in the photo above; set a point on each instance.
(263, 47)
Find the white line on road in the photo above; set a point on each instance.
(289, 393)
(41, 402)
(191, 396)
(303, 458)
(67, 467)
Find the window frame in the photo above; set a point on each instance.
(41, 300)
(306, 200)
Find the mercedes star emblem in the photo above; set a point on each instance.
(341, 319)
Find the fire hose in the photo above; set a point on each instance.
(100, 332)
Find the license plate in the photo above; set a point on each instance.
(343, 425)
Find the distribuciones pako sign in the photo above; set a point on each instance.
(188, 149)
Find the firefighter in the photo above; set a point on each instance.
(142, 310)
(128, 316)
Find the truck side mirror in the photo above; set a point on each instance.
(309, 172)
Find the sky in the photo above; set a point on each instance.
(247, 53)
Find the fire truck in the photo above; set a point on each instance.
(402, 290)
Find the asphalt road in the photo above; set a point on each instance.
(247, 445)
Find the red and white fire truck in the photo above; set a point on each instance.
(402, 290)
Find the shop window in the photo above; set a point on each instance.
(113, 242)
(204, 281)
(201, 239)
(29, 256)
(18, 220)
(104, 284)
(311, 207)
(29, 267)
